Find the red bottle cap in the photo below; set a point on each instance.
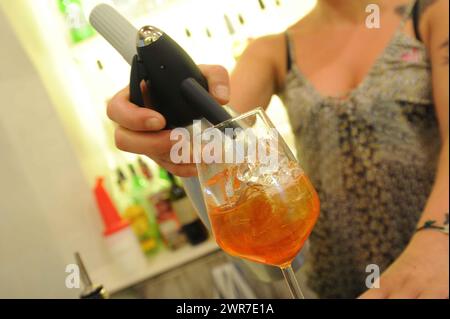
(111, 218)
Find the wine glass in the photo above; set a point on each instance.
(261, 205)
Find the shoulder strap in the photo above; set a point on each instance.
(409, 13)
(415, 14)
(290, 54)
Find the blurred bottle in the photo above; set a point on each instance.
(239, 35)
(121, 180)
(79, 28)
(140, 214)
(145, 169)
(262, 5)
(191, 224)
(122, 244)
(118, 188)
(169, 225)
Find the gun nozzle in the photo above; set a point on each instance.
(148, 35)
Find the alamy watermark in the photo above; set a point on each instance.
(73, 278)
(373, 279)
(228, 145)
(373, 20)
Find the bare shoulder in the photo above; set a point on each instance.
(433, 14)
(269, 52)
(427, 7)
(267, 46)
(274, 45)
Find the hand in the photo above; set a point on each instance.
(140, 130)
(421, 271)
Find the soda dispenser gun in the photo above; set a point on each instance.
(178, 89)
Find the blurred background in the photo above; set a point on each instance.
(64, 186)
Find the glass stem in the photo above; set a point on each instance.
(292, 283)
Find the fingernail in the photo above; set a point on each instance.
(153, 124)
(222, 92)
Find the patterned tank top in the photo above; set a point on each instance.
(372, 158)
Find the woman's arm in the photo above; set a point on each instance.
(436, 39)
(255, 77)
(422, 271)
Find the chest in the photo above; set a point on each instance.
(338, 60)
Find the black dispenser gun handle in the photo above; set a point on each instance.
(177, 89)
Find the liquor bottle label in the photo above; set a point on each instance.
(184, 210)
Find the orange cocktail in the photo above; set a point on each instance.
(261, 205)
(265, 224)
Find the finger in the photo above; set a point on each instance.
(148, 143)
(218, 82)
(408, 289)
(433, 295)
(403, 294)
(374, 294)
(131, 116)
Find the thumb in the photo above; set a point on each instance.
(218, 82)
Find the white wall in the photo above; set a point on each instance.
(46, 208)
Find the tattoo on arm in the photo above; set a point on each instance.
(431, 224)
(444, 46)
